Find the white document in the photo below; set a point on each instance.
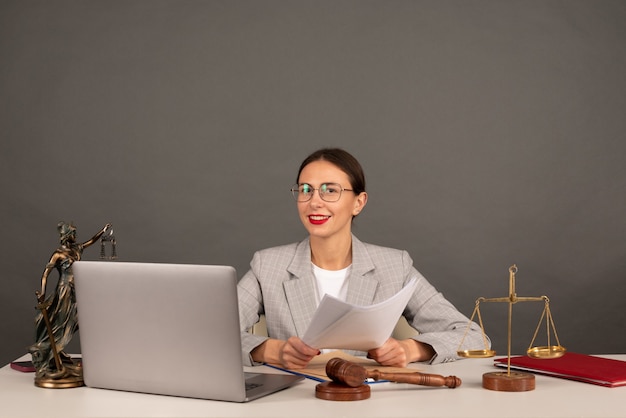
(338, 324)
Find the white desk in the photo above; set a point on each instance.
(552, 397)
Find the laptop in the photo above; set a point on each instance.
(167, 329)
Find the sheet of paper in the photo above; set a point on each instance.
(340, 325)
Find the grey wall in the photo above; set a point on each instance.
(491, 133)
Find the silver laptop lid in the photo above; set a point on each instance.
(167, 329)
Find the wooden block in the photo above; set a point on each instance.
(332, 391)
(504, 382)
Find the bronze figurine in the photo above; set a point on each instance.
(57, 321)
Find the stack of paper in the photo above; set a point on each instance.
(340, 325)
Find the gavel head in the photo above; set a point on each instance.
(345, 372)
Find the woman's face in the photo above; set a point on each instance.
(326, 219)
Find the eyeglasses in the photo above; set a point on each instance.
(329, 192)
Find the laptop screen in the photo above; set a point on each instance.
(169, 329)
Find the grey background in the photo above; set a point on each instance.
(491, 132)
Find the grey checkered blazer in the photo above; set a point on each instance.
(281, 285)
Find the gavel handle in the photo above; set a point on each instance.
(416, 378)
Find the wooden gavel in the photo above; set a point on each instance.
(347, 373)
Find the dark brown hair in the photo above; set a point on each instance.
(344, 161)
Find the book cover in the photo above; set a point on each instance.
(573, 366)
(23, 366)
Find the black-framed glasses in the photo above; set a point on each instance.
(329, 192)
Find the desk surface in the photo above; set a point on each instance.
(553, 397)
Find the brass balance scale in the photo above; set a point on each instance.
(514, 381)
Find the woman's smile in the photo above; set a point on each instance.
(318, 219)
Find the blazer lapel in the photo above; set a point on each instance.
(301, 290)
(361, 287)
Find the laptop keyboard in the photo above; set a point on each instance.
(251, 385)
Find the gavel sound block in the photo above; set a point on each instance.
(347, 380)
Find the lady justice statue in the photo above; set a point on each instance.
(57, 321)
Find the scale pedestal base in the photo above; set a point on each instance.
(509, 382)
(332, 391)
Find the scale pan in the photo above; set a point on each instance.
(476, 353)
(542, 352)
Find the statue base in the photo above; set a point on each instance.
(70, 376)
(62, 383)
(505, 382)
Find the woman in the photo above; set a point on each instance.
(61, 306)
(286, 283)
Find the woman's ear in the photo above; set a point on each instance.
(359, 203)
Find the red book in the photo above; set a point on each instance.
(23, 366)
(581, 367)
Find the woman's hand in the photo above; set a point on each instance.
(295, 354)
(290, 354)
(399, 353)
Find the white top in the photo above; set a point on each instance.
(331, 282)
